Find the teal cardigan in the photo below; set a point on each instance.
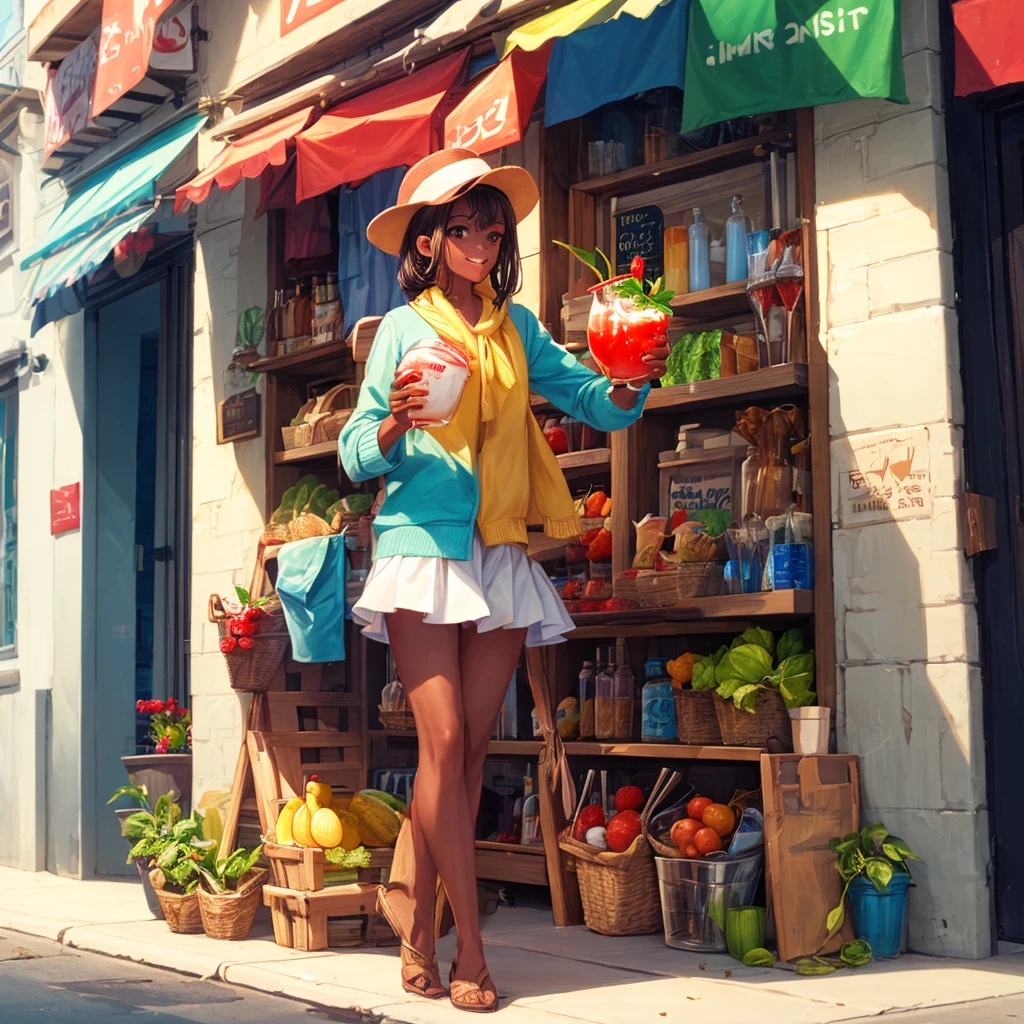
(432, 499)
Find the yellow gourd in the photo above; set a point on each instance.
(378, 823)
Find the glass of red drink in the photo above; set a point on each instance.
(619, 332)
(789, 284)
(762, 297)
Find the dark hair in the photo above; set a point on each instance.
(487, 206)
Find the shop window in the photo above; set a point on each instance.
(9, 520)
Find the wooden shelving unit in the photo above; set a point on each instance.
(309, 453)
(577, 463)
(789, 381)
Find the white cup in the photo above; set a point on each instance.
(445, 370)
(810, 729)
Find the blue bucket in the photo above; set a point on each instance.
(878, 916)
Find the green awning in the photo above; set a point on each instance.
(82, 257)
(127, 182)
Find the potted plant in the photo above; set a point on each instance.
(174, 872)
(873, 864)
(229, 893)
(169, 768)
(145, 830)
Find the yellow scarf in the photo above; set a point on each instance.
(494, 432)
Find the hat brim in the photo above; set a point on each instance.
(387, 230)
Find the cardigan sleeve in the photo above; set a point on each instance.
(565, 382)
(360, 451)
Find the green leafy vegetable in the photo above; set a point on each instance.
(761, 637)
(357, 858)
(813, 966)
(633, 289)
(749, 663)
(758, 958)
(794, 679)
(793, 641)
(716, 520)
(745, 698)
(856, 953)
(704, 670)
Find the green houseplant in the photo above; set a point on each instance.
(229, 893)
(873, 865)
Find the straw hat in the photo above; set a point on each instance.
(441, 178)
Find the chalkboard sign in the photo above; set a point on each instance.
(641, 232)
(238, 417)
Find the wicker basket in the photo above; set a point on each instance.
(624, 588)
(697, 719)
(397, 721)
(253, 671)
(657, 589)
(769, 721)
(230, 915)
(700, 579)
(619, 891)
(181, 912)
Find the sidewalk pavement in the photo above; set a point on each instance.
(545, 975)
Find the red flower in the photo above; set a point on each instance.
(140, 706)
(162, 744)
(172, 703)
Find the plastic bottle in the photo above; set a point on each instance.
(531, 812)
(737, 227)
(587, 694)
(677, 259)
(700, 252)
(658, 718)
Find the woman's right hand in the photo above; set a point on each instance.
(406, 398)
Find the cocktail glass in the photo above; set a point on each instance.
(620, 333)
(789, 284)
(762, 296)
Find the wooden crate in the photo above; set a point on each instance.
(300, 918)
(295, 867)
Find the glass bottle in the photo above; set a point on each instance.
(623, 697)
(604, 698)
(737, 227)
(531, 812)
(748, 483)
(700, 252)
(587, 694)
(658, 717)
(677, 259)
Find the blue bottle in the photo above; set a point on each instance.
(658, 718)
(737, 228)
(700, 253)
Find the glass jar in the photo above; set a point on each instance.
(677, 259)
(616, 694)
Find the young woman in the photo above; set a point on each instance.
(452, 589)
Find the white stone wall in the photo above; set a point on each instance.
(228, 481)
(909, 684)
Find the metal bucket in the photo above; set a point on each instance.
(695, 895)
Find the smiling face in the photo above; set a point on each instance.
(471, 246)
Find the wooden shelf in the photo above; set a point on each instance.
(726, 300)
(683, 168)
(503, 862)
(574, 463)
(535, 851)
(697, 615)
(663, 751)
(306, 361)
(771, 382)
(308, 453)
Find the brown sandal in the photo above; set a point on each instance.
(420, 976)
(478, 996)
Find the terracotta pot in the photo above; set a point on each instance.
(162, 773)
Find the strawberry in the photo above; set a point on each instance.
(245, 643)
(590, 817)
(228, 644)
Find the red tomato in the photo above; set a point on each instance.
(683, 832)
(707, 840)
(695, 808)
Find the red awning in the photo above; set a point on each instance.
(245, 158)
(988, 48)
(497, 108)
(391, 126)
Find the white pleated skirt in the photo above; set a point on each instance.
(499, 588)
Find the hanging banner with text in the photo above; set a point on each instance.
(297, 12)
(757, 56)
(126, 42)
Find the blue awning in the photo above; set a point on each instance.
(127, 182)
(620, 58)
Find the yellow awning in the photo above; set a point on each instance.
(576, 16)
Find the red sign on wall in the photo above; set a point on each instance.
(297, 12)
(126, 42)
(65, 509)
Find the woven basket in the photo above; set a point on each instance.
(398, 721)
(230, 915)
(697, 719)
(253, 671)
(619, 891)
(657, 589)
(769, 721)
(700, 579)
(181, 912)
(624, 588)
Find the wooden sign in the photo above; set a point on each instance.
(65, 509)
(641, 232)
(238, 417)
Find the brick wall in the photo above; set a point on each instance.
(909, 700)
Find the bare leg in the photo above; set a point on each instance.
(427, 657)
